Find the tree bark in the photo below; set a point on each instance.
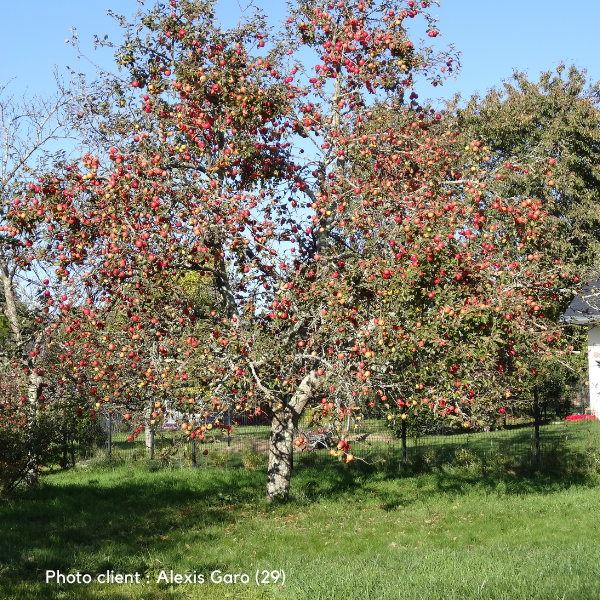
(149, 434)
(10, 303)
(279, 472)
(149, 429)
(31, 475)
(65, 447)
(223, 287)
(285, 420)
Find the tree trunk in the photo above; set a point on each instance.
(31, 475)
(10, 303)
(279, 471)
(149, 435)
(149, 429)
(223, 287)
(65, 447)
(10, 312)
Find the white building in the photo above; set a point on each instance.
(585, 311)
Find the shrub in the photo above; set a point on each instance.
(464, 457)
(219, 460)
(13, 434)
(251, 460)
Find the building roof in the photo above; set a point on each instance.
(585, 308)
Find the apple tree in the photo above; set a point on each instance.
(547, 128)
(238, 163)
(478, 275)
(359, 245)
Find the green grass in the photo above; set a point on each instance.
(481, 530)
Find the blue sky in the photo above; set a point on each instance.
(494, 37)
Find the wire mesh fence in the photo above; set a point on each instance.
(525, 444)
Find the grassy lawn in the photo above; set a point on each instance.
(345, 533)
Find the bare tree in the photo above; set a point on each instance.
(33, 132)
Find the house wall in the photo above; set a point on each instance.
(594, 368)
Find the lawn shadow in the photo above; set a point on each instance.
(453, 469)
(103, 523)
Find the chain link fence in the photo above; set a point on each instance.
(517, 444)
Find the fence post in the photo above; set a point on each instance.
(193, 453)
(229, 425)
(151, 442)
(65, 446)
(536, 416)
(404, 457)
(109, 437)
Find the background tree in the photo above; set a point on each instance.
(30, 130)
(549, 127)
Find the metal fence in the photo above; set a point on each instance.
(516, 444)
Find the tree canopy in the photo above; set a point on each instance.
(365, 252)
